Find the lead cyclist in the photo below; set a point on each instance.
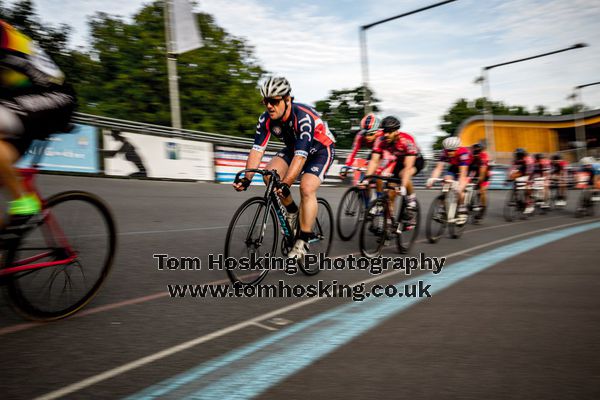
(308, 152)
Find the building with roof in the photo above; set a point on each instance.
(536, 134)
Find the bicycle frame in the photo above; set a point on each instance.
(51, 228)
(271, 199)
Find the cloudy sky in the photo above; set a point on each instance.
(419, 65)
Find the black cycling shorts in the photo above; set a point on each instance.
(41, 111)
(419, 165)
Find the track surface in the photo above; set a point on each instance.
(522, 323)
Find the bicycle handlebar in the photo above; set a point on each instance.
(270, 172)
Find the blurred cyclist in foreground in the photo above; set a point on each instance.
(35, 102)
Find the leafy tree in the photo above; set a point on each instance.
(343, 110)
(217, 83)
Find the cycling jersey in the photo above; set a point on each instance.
(404, 145)
(541, 167)
(524, 166)
(304, 132)
(559, 166)
(461, 158)
(32, 91)
(23, 63)
(360, 140)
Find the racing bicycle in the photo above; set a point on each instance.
(379, 224)
(255, 227)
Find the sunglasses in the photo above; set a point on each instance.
(272, 101)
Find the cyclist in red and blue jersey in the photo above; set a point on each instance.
(309, 151)
(458, 160)
(541, 169)
(480, 169)
(35, 102)
(523, 166)
(366, 136)
(558, 173)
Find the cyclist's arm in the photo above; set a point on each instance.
(373, 163)
(355, 148)
(409, 163)
(438, 170)
(463, 171)
(294, 170)
(253, 162)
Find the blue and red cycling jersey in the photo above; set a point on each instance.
(524, 166)
(462, 157)
(304, 131)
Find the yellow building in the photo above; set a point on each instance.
(536, 134)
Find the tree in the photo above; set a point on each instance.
(217, 82)
(343, 110)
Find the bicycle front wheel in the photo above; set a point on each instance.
(436, 219)
(66, 257)
(322, 236)
(350, 212)
(252, 232)
(410, 224)
(373, 233)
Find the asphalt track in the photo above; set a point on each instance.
(513, 314)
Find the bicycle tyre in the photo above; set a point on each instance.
(323, 232)
(249, 277)
(402, 244)
(351, 202)
(17, 292)
(433, 235)
(375, 222)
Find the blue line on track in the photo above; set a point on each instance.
(254, 368)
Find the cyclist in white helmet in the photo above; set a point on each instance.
(458, 159)
(308, 152)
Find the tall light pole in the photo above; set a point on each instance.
(485, 87)
(580, 132)
(363, 48)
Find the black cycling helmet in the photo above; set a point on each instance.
(520, 153)
(556, 157)
(538, 156)
(390, 124)
(476, 148)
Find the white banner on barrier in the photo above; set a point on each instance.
(135, 155)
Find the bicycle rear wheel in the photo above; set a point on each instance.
(436, 219)
(349, 213)
(246, 238)
(77, 238)
(511, 206)
(322, 236)
(409, 229)
(373, 232)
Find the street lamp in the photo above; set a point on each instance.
(485, 87)
(363, 48)
(580, 126)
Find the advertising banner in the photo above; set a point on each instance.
(76, 151)
(136, 155)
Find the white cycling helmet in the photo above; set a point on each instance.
(451, 143)
(587, 160)
(275, 86)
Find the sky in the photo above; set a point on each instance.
(418, 65)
